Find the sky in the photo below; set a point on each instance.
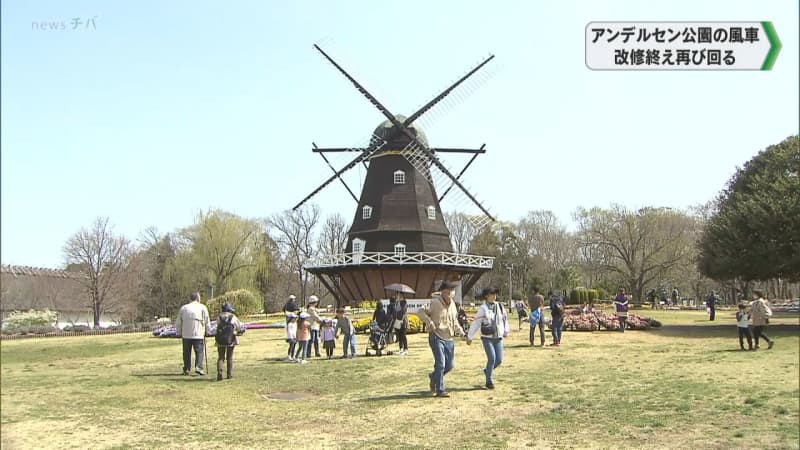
(150, 112)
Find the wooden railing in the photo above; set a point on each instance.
(408, 258)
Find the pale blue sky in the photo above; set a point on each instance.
(166, 108)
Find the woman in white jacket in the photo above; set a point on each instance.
(492, 321)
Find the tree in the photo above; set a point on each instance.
(639, 247)
(548, 249)
(104, 257)
(333, 235)
(462, 231)
(163, 284)
(295, 238)
(754, 233)
(223, 245)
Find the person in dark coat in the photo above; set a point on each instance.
(290, 307)
(711, 304)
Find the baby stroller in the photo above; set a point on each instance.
(378, 338)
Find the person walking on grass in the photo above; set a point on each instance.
(557, 316)
(536, 318)
(621, 308)
(291, 335)
(492, 321)
(345, 324)
(315, 322)
(303, 333)
(522, 313)
(743, 327)
(192, 327)
(228, 327)
(328, 334)
(441, 319)
(401, 325)
(760, 313)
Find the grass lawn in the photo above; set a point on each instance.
(685, 385)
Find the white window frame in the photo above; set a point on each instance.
(400, 249)
(366, 212)
(358, 249)
(431, 212)
(399, 177)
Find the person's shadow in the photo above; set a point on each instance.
(416, 394)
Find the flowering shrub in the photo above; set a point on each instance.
(18, 320)
(414, 324)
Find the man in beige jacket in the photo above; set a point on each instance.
(760, 312)
(441, 319)
(192, 326)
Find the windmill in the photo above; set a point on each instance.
(398, 233)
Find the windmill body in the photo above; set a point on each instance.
(398, 233)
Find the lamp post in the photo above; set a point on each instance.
(510, 267)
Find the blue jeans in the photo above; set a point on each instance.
(494, 355)
(443, 355)
(555, 327)
(532, 333)
(188, 345)
(302, 347)
(313, 341)
(349, 341)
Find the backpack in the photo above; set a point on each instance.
(225, 332)
(558, 306)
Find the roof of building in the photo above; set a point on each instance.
(38, 271)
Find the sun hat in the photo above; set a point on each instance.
(313, 299)
(445, 284)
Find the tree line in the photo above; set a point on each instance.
(748, 234)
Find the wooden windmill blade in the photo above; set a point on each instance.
(445, 93)
(375, 145)
(403, 128)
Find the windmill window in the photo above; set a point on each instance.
(358, 246)
(399, 249)
(366, 212)
(399, 177)
(431, 212)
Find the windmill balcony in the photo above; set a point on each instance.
(406, 259)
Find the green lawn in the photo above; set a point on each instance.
(685, 385)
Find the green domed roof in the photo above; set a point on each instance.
(385, 127)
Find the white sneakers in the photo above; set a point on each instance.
(403, 352)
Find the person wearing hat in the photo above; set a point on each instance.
(228, 326)
(290, 307)
(441, 318)
(314, 322)
(492, 320)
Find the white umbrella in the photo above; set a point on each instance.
(400, 287)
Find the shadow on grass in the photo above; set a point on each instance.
(417, 394)
(172, 376)
(726, 330)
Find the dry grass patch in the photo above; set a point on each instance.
(686, 385)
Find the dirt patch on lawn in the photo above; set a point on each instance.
(286, 396)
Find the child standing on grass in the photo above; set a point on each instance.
(742, 316)
(345, 324)
(291, 334)
(303, 333)
(328, 338)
